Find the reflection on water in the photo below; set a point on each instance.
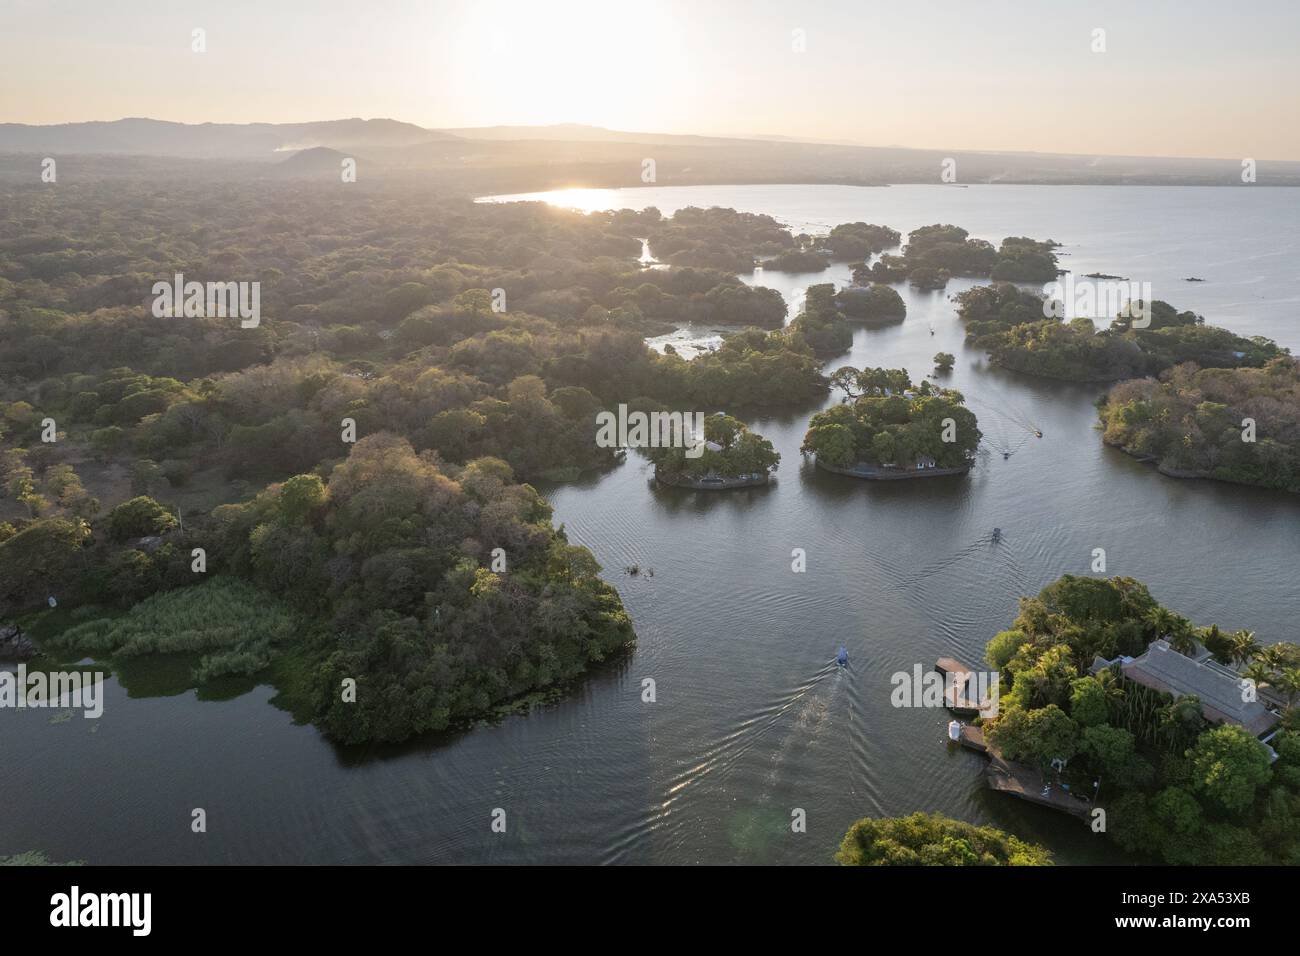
(752, 718)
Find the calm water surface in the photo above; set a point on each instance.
(752, 718)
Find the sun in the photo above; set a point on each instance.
(599, 62)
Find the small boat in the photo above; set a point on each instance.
(1038, 433)
(1006, 455)
(997, 534)
(842, 659)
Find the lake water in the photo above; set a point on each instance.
(752, 719)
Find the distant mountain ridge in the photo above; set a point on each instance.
(269, 141)
(532, 157)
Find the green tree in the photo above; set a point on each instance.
(1110, 749)
(1039, 736)
(832, 444)
(1088, 703)
(1243, 646)
(1003, 647)
(926, 839)
(299, 497)
(1229, 766)
(138, 518)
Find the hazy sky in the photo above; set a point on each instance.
(1187, 78)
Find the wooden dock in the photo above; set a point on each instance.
(1027, 783)
(972, 738)
(958, 677)
(1022, 780)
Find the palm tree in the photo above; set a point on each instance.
(1273, 657)
(1160, 620)
(1180, 722)
(1113, 688)
(1182, 636)
(1212, 638)
(1243, 646)
(1288, 682)
(1259, 673)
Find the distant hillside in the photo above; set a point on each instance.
(320, 161)
(580, 133)
(525, 158)
(210, 140)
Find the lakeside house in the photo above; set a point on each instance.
(1220, 689)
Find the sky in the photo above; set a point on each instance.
(1207, 78)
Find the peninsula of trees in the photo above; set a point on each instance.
(1232, 424)
(1015, 327)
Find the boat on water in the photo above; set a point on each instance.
(842, 658)
(997, 534)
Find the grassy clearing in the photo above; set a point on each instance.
(225, 626)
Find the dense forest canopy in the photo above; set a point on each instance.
(359, 457)
(1232, 424)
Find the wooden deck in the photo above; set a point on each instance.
(1018, 779)
(949, 665)
(1027, 783)
(954, 692)
(972, 738)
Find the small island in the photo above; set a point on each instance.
(732, 457)
(871, 302)
(889, 429)
(936, 253)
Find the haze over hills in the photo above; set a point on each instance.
(152, 137)
(520, 158)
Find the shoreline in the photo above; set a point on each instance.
(875, 473)
(1170, 472)
(720, 484)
